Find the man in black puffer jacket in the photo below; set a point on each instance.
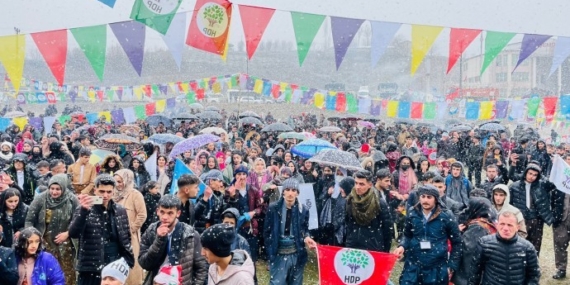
(505, 258)
(103, 232)
(531, 196)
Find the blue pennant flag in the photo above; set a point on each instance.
(180, 169)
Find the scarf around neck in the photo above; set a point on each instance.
(363, 208)
(128, 180)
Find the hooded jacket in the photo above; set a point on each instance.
(29, 181)
(542, 157)
(56, 153)
(240, 271)
(458, 188)
(540, 199)
(507, 207)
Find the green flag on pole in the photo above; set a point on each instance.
(156, 14)
(495, 42)
(429, 111)
(532, 106)
(191, 97)
(352, 103)
(93, 42)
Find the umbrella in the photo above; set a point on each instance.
(213, 130)
(98, 155)
(452, 122)
(132, 130)
(460, 128)
(209, 115)
(351, 117)
(249, 114)
(379, 156)
(154, 120)
(367, 124)
(112, 141)
(212, 108)
(193, 143)
(277, 127)
(311, 147)
(196, 106)
(184, 116)
(165, 138)
(292, 135)
(405, 121)
(492, 127)
(371, 118)
(308, 135)
(337, 158)
(333, 118)
(15, 114)
(330, 129)
(250, 120)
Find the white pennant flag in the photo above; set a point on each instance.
(150, 165)
(560, 174)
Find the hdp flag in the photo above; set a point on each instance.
(560, 174)
(339, 265)
(156, 14)
(180, 169)
(210, 26)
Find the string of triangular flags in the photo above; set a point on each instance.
(209, 29)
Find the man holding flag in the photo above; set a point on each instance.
(560, 202)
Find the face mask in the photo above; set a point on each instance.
(405, 167)
(5, 152)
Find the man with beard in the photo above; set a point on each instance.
(457, 185)
(494, 177)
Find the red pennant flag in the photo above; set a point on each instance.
(550, 107)
(459, 40)
(147, 90)
(150, 108)
(339, 265)
(53, 47)
(254, 21)
(275, 90)
(194, 86)
(200, 94)
(417, 110)
(51, 97)
(340, 102)
(210, 25)
(100, 95)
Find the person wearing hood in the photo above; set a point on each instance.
(12, 215)
(393, 155)
(541, 156)
(111, 164)
(226, 266)
(531, 196)
(479, 224)
(5, 154)
(501, 201)
(404, 178)
(36, 154)
(333, 214)
(270, 189)
(51, 213)
(23, 176)
(125, 156)
(457, 185)
(142, 177)
(56, 152)
(428, 230)
(231, 216)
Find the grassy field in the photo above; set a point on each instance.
(546, 265)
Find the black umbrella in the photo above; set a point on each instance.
(250, 120)
(209, 115)
(277, 127)
(379, 156)
(154, 120)
(333, 118)
(490, 122)
(249, 114)
(337, 158)
(351, 117)
(492, 127)
(184, 116)
(212, 108)
(460, 128)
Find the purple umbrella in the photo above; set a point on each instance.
(193, 143)
(366, 124)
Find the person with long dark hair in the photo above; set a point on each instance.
(35, 265)
(151, 198)
(12, 215)
(142, 177)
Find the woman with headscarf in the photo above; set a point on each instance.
(111, 164)
(162, 173)
(221, 157)
(51, 213)
(295, 171)
(125, 156)
(132, 200)
(141, 174)
(5, 154)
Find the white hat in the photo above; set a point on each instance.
(118, 269)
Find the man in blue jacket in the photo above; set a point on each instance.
(428, 228)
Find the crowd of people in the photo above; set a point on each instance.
(468, 216)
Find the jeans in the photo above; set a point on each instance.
(284, 270)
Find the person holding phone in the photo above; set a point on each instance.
(102, 227)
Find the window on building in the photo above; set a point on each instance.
(515, 59)
(520, 76)
(501, 77)
(499, 60)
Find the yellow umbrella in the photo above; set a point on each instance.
(98, 155)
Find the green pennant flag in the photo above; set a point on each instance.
(93, 42)
(495, 42)
(140, 112)
(352, 103)
(288, 94)
(191, 97)
(156, 14)
(63, 119)
(111, 95)
(532, 106)
(429, 111)
(61, 97)
(234, 81)
(306, 27)
(155, 90)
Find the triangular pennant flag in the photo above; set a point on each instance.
(156, 14)
(306, 27)
(423, 38)
(131, 36)
(254, 21)
(110, 3)
(53, 47)
(93, 42)
(530, 44)
(495, 42)
(459, 40)
(210, 25)
(12, 55)
(343, 31)
(561, 53)
(174, 38)
(382, 34)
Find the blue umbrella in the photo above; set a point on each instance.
(311, 147)
(193, 143)
(154, 120)
(165, 138)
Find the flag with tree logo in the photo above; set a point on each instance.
(156, 14)
(210, 26)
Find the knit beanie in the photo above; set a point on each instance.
(291, 183)
(428, 190)
(118, 269)
(240, 169)
(347, 184)
(218, 239)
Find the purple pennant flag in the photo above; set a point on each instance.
(170, 103)
(382, 34)
(561, 52)
(250, 83)
(72, 95)
(376, 106)
(118, 116)
(530, 43)
(343, 31)
(36, 122)
(120, 94)
(501, 108)
(131, 36)
(163, 89)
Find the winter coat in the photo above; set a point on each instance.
(29, 183)
(241, 243)
(475, 155)
(430, 266)
(504, 262)
(151, 203)
(154, 251)
(8, 267)
(539, 195)
(334, 213)
(240, 271)
(557, 205)
(247, 204)
(209, 213)
(46, 270)
(543, 158)
(88, 227)
(488, 185)
(376, 236)
(17, 224)
(141, 178)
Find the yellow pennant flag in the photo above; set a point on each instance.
(217, 87)
(173, 87)
(486, 110)
(91, 94)
(137, 90)
(105, 114)
(258, 87)
(319, 100)
(185, 87)
(423, 38)
(12, 55)
(160, 105)
(392, 109)
(21, 122)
